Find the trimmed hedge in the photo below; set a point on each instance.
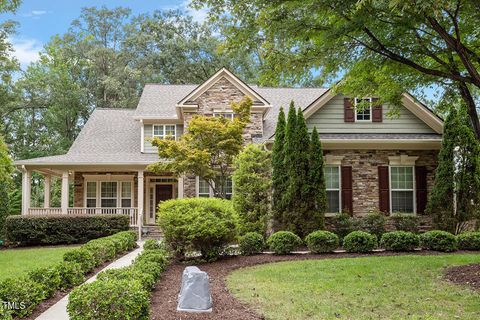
(205, 225)
(469, 240)
(251, 243)
(119, 293)
(399, 241)
(322, 241)
(359, 242)
(283, 242)
(438, 240)
(62, 229)
(41, 283)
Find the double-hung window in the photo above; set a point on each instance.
(332, 183)
(108, 194)
(363, 109)
(91, 194)
(402, 181)
(205, 191)
(164, 131)
(126, 194)
(226, 115)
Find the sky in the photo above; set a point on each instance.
(39, 20)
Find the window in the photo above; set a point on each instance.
(203, 188)
(332, 183)
(126, 194)
(226, 115)
(91, 196)
(109, 194)
(229, 188)
(164, 131)
(364, 110)
(402, 189)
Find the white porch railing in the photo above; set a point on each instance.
(131, 212)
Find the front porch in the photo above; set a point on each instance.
(96, 190)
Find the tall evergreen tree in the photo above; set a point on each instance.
(455, 197)
(279, 176)
(290, 157)
(316, 175)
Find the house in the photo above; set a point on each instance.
(374, 162)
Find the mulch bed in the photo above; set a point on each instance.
(225, 307)
(465, 275)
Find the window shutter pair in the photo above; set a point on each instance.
(349, 111)
(420, 188)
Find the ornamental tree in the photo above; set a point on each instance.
(207, 149)
(252, 185)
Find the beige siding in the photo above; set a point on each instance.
(147, 133)
(329, 119)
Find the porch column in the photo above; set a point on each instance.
(140, 203)
(180, 188)
(26, 189)
(46, 191)
(64, 200)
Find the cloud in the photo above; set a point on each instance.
(26, 50)
(197, 15)
(35, 13)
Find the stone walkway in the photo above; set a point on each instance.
(59, 310)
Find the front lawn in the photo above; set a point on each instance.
(395, 287)
(17, 262)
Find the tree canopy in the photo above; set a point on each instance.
(380, 48)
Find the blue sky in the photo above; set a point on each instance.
(41, 19)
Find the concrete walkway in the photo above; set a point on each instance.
(59, 310)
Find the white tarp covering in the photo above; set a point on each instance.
(195, 293)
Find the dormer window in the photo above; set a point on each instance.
(226, 115)
(164, 131)
(363, 113)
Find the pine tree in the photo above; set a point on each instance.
(317, 178)
(279, 176)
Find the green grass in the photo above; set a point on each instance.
(18, 262)
(395, 287)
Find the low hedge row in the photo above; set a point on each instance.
(62, 229)
(284, 242)
(41, 283)
(120, 293)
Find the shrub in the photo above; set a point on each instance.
(322, 241)
(62, 229)
(469, 240)
(109, 299)
(438, 240)
(399, 241)
(157, 256)
(151, 244)
(404, 222)
(23, 292)
(48, 278)
(359, 241)
(251, 243)
(147, 280)
(343, 224)
(283, 242)
(71, 274)
(373, 223)
(101, 249)
(82, 256)
(150, 267)
(197, 224)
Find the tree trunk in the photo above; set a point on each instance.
(471, 108)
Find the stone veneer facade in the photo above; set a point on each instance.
(365, 183)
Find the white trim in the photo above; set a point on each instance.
(402, 160)
(414, 190)
(164, 129)
(108, 177)
(98, 179)
(356, 114)
(339, 190)
(142, 136)
(333, 160)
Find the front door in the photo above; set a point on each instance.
(163, 192)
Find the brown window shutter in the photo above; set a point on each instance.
(376, 111)
(347, 196)
(384, 189)
(421, 188)
(348, 113)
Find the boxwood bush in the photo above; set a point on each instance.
(251, 243)
(81, 256)
(399, 241)
(322, 241)
(469, 240)
(342, 224)
(24, 293)
(360, 242)
(62, 229)
(71, 274)
(283, 242)
(152, 244)
(48, 278)
(205, 225)
(404, 222)
(438, 240)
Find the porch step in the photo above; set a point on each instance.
(152, 232)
